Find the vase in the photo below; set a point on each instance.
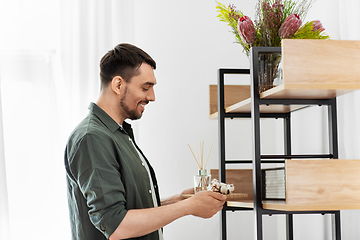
(269, 71)
(201, 181)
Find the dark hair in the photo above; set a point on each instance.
(124, 60)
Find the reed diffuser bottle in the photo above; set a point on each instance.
(201, 181)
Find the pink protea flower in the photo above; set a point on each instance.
(246, 30)
(289, 26)
(317, 26)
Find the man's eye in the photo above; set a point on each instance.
(145, 89)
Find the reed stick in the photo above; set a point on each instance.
(200, 160)
(202, 154)
(208, 155)
(194, 156)
(197, 154)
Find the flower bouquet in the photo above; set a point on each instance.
(275, 20)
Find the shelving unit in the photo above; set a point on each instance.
(298, 90)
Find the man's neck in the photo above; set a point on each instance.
(108, 104)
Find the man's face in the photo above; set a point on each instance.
(138, 92)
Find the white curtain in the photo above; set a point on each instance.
(88, 30)
(49, 71)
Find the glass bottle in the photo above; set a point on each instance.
(201, 181)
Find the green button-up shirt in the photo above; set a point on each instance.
(105, 177)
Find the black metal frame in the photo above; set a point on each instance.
(259, 159)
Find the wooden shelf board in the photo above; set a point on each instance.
(324, 65)
(284, 91)
(214, 115)
(242, 180)
(232, 95)
(237, 100)
(283, 206)
(243, 204)
(311, 185)
(301, 91)
(245, 107)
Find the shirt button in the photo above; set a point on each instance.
(129, 139)
(149, 191)
(143, 164)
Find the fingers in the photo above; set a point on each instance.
(205, 204)
(218, 196)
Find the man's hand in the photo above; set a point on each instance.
(139, 222)
(205, 204)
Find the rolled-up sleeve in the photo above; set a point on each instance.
(96, 171)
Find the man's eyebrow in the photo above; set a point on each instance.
(150, 83)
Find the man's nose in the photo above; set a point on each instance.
(151, 95)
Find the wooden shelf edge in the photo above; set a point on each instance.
(283, 206)
(284, 92)
(242, 204)
(243, 106)
(214, 115)
(308, 91)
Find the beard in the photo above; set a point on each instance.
(132, 114)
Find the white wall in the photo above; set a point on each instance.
(189, 44)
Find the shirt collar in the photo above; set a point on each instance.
(108, 121)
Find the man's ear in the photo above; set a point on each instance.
(116, 83)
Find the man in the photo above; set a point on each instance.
(112, 188)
